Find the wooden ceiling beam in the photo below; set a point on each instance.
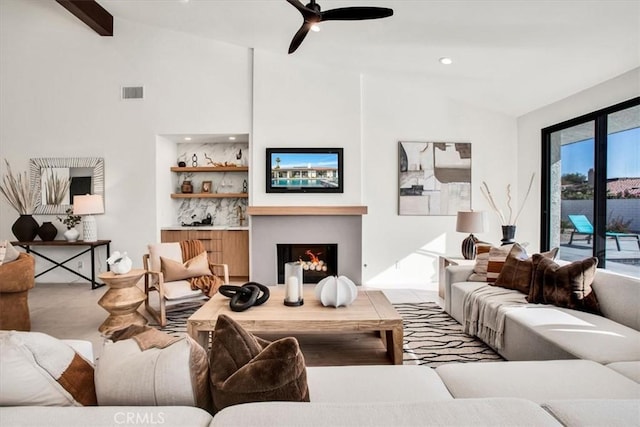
(92, 14)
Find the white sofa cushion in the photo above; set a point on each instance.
(105, 416)
(538, 381)
(600, 412)
(628, 369)
(401, 383)
(476, 412)
(458, 292)
(618, 297)
(174, 375)
(583, 335)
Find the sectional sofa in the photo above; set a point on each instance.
(565, 367)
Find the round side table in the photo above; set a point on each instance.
(122, 300)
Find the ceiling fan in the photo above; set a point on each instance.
(312, 14)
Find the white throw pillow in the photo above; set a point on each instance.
(7, 252)
(39, 370)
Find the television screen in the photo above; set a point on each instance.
(304, 170)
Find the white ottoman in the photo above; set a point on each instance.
(377, 383)
(539, 381)
(609, 413)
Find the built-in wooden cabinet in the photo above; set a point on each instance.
(229, 247)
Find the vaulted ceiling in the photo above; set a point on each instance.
(512, 56)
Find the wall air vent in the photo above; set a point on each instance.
(132, 92)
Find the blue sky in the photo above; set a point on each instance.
(623, 158)
(288, 160)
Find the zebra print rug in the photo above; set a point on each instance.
(431, 336)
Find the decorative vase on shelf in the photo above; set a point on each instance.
(25, 228)
(47, 231)
(508, 234)
(186, 187)
(71, 235)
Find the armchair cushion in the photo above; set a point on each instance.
(167, 250)
(195, 267)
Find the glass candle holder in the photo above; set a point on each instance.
(293, 284)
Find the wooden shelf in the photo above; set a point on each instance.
(306, 210)
(210, 169)
(209, 195)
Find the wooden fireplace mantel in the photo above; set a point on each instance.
(306, 210)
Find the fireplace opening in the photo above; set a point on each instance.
(319, 260)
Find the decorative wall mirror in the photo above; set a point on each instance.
(58, 179)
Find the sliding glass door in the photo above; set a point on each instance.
(591, 188)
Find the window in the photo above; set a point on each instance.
(591, 188)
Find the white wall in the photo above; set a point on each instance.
(297, 104)
(61, 98)
(609, 93)
(401, 251)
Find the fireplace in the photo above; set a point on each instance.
(319, 260)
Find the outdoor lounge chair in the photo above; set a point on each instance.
(582, 225)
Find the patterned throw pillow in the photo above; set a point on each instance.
(39, 370)
(489, 262)
(517, 271)
(564, 286)
(245, 368)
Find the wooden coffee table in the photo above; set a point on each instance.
(370, 312)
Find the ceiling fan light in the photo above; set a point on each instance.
(315, 27)
(446, 60)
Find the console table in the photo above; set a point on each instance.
(80, 245)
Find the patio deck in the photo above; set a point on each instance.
(624, 261)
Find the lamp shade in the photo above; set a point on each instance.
(470, 222)
(88, 204)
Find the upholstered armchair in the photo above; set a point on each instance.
(173, 270)
(16, 278)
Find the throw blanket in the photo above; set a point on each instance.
(485, 310)
(209, 285)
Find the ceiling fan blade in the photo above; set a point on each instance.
(307, 13)
(355, 13)
(299, 37)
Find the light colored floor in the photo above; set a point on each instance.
(71, 311)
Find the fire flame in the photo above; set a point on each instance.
(314, 257)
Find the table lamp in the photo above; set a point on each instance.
(470, 222)
(88, 205)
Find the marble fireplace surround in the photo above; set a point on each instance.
(271, 225)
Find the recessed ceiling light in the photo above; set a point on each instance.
(187, 138)
(445, 60)
(232, 138)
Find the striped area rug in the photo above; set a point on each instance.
(431, 336)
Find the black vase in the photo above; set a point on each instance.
(25, 228)
(508, 234)
(47, 231)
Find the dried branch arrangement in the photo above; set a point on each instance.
(56, 188)
(18, 191)
(510, 220)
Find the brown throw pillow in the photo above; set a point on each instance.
(564, 286)
(517, 271)
(195, 267)
(245, 368)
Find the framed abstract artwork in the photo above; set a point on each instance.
(434, 178)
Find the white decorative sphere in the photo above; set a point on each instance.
(336, 291)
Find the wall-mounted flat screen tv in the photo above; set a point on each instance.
(304, 170)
